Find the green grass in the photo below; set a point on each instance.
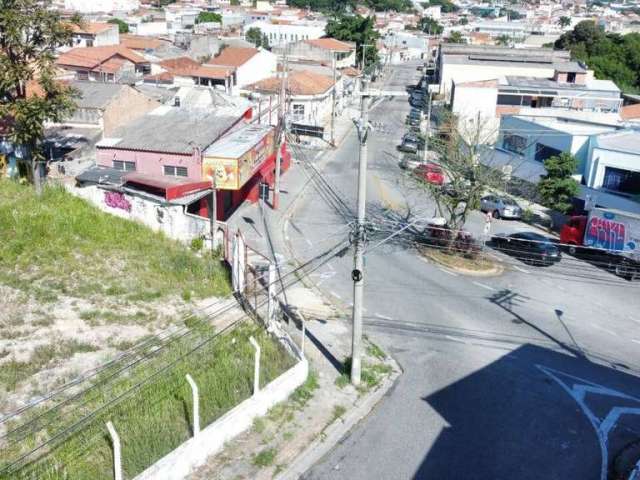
(370, 374)
(61, 245)
(265, 458)
(304, 392)
(156, 419)
(338, 411)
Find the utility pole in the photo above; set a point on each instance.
(280, 129)
(333, 100)
(358, 257)
(428, 133)
(214, 206)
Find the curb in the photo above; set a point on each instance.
(493, 272)
(336, 431)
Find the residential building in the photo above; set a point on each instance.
(471, 63)
(94, 34)
(322, 50)
(247, 64)
(310, 100)
(105, 64)
(283, 32)
(571, 89)
(101, 6)
(141, 43)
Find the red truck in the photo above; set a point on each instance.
(610, 235)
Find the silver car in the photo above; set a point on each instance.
(501, 207)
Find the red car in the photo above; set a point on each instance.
(430, 173)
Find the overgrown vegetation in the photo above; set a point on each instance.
(209, 17)
(358, 29)
(611, 56)
(151, 418)
(446, 6)
(259, 39)
(123, 27)
(61, 245)
(557, 187)
(342, 6)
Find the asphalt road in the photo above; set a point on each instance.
(532, 374)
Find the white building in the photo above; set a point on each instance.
(249, 64)
(94, 34)
(285, 32)
(614, 163)
(97, 6)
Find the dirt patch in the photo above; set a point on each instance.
(479, 266)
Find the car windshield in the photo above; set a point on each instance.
(509, 201)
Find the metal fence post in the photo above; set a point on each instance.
(196, 405)
(271, 292)
(256, 366)
(117, 455)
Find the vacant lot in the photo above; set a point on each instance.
(78, 286)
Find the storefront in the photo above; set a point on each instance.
(241, 162)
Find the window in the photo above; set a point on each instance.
(571, 77)
(623, 181)
(172, 171)
(514, 143)
(124, 166)
(543, 152)
(176, 101)
(298, 109)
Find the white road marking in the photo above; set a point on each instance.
(384, 317)
(635, 341)
(454, 339)
(521, 269)
(484, 286)
(448, 272)
(334, 294)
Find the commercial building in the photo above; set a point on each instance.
(283, 32)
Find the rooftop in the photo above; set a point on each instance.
(301, 82)
(568, 125)
(171, 129)
(233, 56)
(92, 28)
(235, 144)
(547, 83)
(496, 55)
(96, 94)
(138, 42)
(625, 141)
(332, 44)
(92, 57)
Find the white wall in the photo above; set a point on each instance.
(94, 6)
(472, 73)
(317, 109)
(262, 65)
(602, 158)
(149, 28)
(471, 104)
(282, 34)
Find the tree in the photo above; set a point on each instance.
(564, 21)
(30, 33)
(358, 29)
(446, 6)
(458, 152)
(557, 188)
(504, 40)
(429, 25)
(209, 17)
(455, 37)
(122, 26)
(255, 36)
(463, 21)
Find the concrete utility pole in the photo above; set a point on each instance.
(428, 133)
(214, 210)
(333, 100)
(280, 128)
(359, 238)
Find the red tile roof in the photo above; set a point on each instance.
(301, 82)
(179, 65)
(137, 42)
(234, 56)
(92, 57)
(630, 112)
(206, 71)
(92, 28)
(331, 44)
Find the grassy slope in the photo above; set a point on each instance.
(62, 245)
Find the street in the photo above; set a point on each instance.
(531, 374)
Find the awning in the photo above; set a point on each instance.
(170, 188)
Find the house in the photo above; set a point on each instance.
(472, 63)
(310, 100)
(94, 34)
(480, 104)
(247, 64)
(113, 63)
(141, 43)
(282, 32)
(322, 50)
(184, 71)
(101, 6)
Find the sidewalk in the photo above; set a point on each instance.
(294, 435)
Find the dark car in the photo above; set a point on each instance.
(530, 247)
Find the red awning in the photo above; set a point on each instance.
(168, 187)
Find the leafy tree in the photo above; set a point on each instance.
(512, 14)
(429, 25)
(446, 6)
(343, 6)
(358, 29)
(255, 36)
(122, 26)
(557, 188)
(463, 21)
(564, 21)
(503, 40)
(234, 3)
(209, 17)
(455, 37)
(30, 33)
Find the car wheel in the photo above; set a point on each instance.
(624, 270)
(572, 249)
(496, 214)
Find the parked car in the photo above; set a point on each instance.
(409, 162)
(440, 235)
(408, 145)
(430, 172)
(414, 137)
(530, 247)
(420, 68)
(501, 206)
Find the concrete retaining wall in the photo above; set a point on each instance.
(194, 452)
